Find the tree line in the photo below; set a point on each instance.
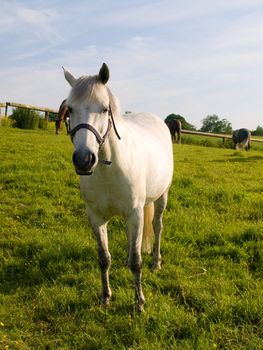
(213, 124)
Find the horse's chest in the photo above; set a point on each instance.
(107, 198)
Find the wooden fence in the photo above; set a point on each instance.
(49, 110)
(34, 108)
(221, 136)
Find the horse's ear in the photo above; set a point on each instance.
(69, 77)
(104, 73)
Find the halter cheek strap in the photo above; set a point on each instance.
(114, 126)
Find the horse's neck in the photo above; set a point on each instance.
(112, 145)
(116, 118)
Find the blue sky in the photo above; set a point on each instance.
(191, 57)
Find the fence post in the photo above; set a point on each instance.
(6, 108)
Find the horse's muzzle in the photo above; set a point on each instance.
(84, 162)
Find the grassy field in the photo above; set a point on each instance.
(208, 294)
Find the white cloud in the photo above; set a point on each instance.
(7, 21)
(35, 18)
(167, 11)
(30, 54)
(26, 22)
(244, 33)
(36, 86)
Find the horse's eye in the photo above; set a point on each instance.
(70, 109)
(105, 110)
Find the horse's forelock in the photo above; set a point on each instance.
(87, 87)
(82, 89)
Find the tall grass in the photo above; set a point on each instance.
(208, 294)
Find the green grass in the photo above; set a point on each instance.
(208, 294)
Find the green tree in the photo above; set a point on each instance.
(213, 124)
(258, 131)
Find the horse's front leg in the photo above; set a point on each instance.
(134, 227)
(104, 258)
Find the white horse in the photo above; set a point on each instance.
(125, 166)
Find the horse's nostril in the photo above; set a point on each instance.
(89, 159)
(92, 159)
(74, 159)
(83, 161)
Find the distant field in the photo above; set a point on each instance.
(208, 294)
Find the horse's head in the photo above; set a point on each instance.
(90, 117)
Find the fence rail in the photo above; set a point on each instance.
(221, 136)
(34, 108)
(50, 110)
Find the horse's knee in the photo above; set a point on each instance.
(104, 261)
(160, 205)
(135, 263)
(157, 224)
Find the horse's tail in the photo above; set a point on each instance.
(148, 233)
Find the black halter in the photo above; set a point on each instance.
(100, 139)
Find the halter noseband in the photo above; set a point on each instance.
(100, 139)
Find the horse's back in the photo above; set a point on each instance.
(148, 125)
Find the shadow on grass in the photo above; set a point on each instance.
(238, 157)
(32, 264)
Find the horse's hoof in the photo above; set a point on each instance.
(140, 308)
(105, 303)
(156, 267)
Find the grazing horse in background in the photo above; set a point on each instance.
(241, 139)
(63, 115)
(175, 128)
(125, 167)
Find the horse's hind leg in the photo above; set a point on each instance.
(159, 206)
(104, 261)
(248, 146)
(179, 136)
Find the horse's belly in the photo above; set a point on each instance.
(159, 174)
(157, 186)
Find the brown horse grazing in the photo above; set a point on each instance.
(63, 115)
(175, 128)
